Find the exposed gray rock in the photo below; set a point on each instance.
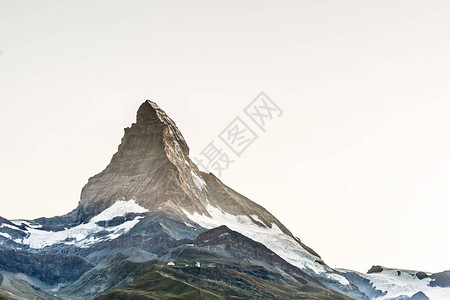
(416, 296)
(422, 275)
(375, 269)
(364, 285)
(441, 279)
(419, 296)
(49, 268)
(15, 287)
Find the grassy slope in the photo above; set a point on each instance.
(163, 282)
(4, 296)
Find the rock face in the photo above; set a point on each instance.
(419, 296)
(142, 168)
(422, 275)
(364, 285)
(49, 268)
(375, 269)
(441, 279)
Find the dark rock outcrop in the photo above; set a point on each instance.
(419, 296)
(49, 268)
(240, 247)
(441, 279)
(416, 296)
(363, 284)
(422, 275)
(375, 269)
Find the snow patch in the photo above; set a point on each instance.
(406, 283)
(189, 225)
(119, 209)
(82, 235)
(199, 182)
(9, 226)
(339, 278)
(256, 218)
(4, 234)
(25, 223)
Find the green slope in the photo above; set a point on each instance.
(219, 282)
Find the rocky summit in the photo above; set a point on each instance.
(151, 225)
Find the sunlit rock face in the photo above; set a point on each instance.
(144, 167)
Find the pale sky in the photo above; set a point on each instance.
(357, 166)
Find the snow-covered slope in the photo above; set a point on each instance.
(395, 283)
(271, 236)
(86, 234)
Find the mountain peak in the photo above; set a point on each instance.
(146, 113)
(153, 168)
(150, 114)
(146, 167)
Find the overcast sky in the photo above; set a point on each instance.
(358, 165)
